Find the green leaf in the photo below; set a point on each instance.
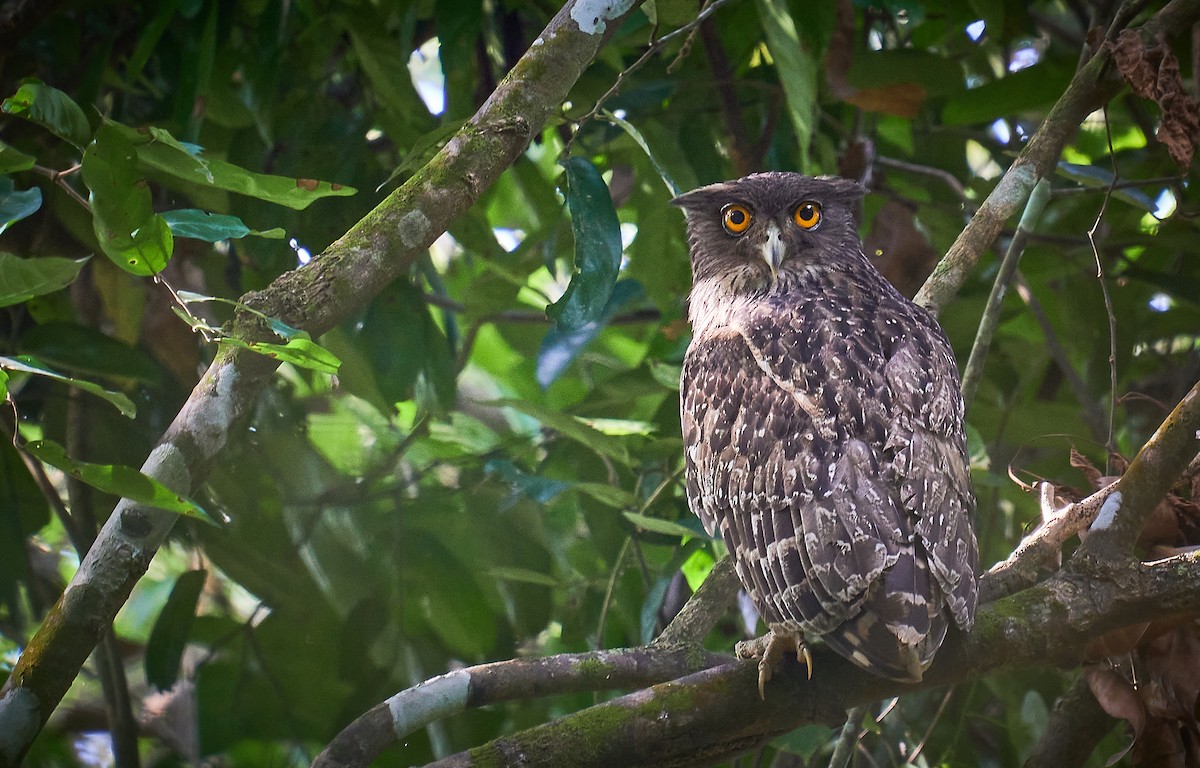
(796, 67)
(50, 108)
(164, 649)
(212, 227)
(116, 479)
(162, 152)
(571, 427)
(130, 233)
(29, 364)
(16, 205)
(597, 247)
(658, 525)
(299, 351)
(22, 279)
(13, 160)
(520, 575)
(560, 347)
(1096, 177)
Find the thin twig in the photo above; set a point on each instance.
(59, 178)
(1109, 444)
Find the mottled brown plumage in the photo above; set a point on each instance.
(823, 426)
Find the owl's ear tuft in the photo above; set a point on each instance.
(847, 188)
(702, 197)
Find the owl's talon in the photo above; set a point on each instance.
(769, 650)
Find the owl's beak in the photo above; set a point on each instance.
(773, 249)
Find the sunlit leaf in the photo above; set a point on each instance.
(597, 248)
(797, 68)
(50, 108)
(571, 427)
(300, 352)
(164, 649)
(22, 279)
(29, 364)
(116, 479)
(16, 204)
(130, 233)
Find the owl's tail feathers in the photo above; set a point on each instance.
(869, 643)
(901, 624)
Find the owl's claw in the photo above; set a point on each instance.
(770, 649)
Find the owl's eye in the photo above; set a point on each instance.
(736, 218)
(807, 215)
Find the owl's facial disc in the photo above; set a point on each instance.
(773, 249)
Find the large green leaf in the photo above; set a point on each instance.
(50, 108)
(116, 479)
(157, 149)
(16, 204)
(86, 350)
(22, 279)
(130, 233)
(299, 351)
(597, 247)
(796, 67)
(164, 649)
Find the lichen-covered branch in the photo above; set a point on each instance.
(711, 715)
(1092, 86)
(349, 273)
(452, 693)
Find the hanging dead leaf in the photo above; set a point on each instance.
(1152, 71)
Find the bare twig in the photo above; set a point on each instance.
(1109, 443)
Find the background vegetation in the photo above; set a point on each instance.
(480, 461)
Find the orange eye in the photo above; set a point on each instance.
(807, 215)
(736, 218)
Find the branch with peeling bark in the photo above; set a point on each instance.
(375, 251)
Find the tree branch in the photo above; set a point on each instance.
(1077, 725)
(714, 714)
(351, 271)
(412, 709)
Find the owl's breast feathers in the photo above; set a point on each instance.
(824, 439)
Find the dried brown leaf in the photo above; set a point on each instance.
(1152, 71)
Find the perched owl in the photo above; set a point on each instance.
(823, 428)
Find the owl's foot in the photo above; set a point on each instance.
(769, 650)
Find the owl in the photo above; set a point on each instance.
(823, 429)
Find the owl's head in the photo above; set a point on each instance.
(749, 231)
